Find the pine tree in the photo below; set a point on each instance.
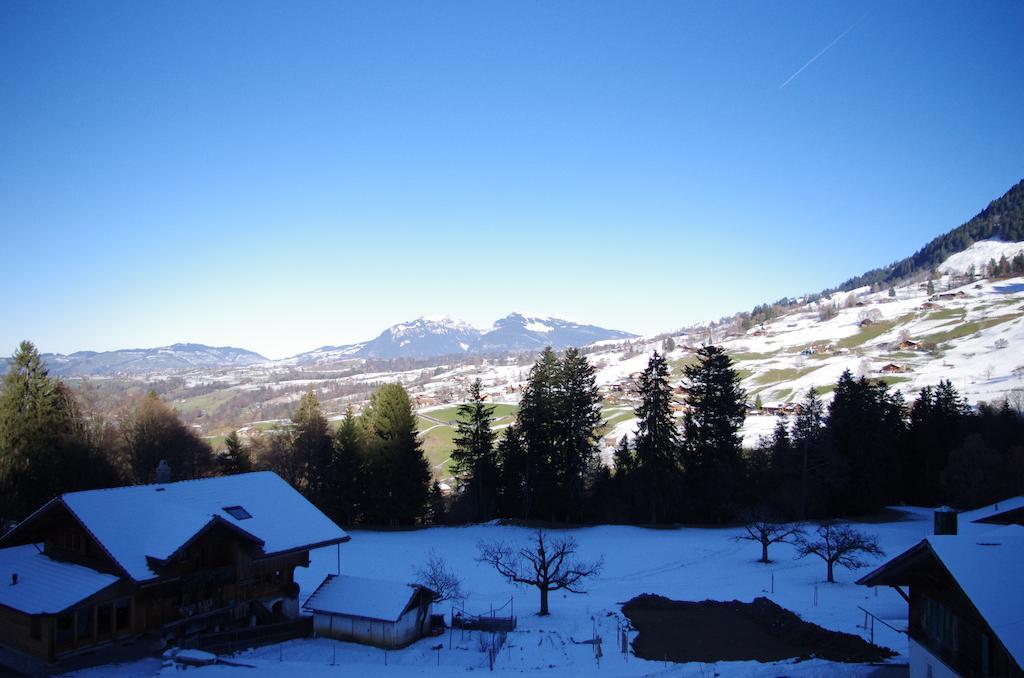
(512, 471)
(235, 458)
(711, 433)
(577, 456)
(44, 450)
(937, 418)
(538, 424)
(806, 439)
(866, 429)
(474, 464)
(312, 446)
(623, 459)
(398, 475)
(657, 438)
(344, 490)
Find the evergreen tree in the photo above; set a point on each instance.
(866, 429)
(623, 459)
(538, 424)
(312, 446)
(577, 456)
(668, 345)
(398, 475)
(474, 463)
(344, 491)
(807, 469)
(657, 439)
(512, 471)
(936, 422)
(44, 449)
(711, 433)
(235, 458)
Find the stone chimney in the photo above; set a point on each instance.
(14, 579)
(163, 472)
(945, 521)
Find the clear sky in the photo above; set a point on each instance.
(285, 175)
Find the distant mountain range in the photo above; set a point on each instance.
(148, 360)
(432, 337)
(420, 338)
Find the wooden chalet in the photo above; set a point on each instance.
(965, 598)
(893, 368)
(172, 561)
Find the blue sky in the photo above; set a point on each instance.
(280, 176)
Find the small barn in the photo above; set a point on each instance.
(382, 613)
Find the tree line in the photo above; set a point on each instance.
(371, 469)
(865, 450)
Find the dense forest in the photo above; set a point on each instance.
(1003, 219)
(866, 450)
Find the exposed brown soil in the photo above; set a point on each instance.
(712, 631)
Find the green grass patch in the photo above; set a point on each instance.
(680, 364)
(741, 356)
(451, 414)
(947, 314)
(872, 331)
(779, 395)
(891, 379)
(967, 329)
(782, 374)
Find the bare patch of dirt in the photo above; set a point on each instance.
(712, 631)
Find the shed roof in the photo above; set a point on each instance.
(361, 597)
(985, 567)
(987, 513)
(45, 586)
(151, 522)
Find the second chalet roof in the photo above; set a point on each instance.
(143, 522)
(45, 586)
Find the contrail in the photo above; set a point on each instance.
(827, 48)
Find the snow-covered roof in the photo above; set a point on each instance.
(985, 567)
(142, 522)
(987, 572)
(992, 510)
(45, 586)
(361, 597)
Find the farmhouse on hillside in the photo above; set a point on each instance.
(382, 613)
(965, 598)
(178, 561)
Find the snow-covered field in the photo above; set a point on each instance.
(680, 563)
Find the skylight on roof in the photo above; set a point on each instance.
(237, 512)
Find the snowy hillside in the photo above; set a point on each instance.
(978, 256)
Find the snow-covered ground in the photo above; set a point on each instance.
(681, 563)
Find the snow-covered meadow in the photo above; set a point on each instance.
(681, 563)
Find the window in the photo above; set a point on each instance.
(83, 618)
(123, 614)
(237, 512)
(37, 628)
(104, 619)
(940, 625)
(64, 626)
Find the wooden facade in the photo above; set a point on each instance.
(220, 578)
(948, 634)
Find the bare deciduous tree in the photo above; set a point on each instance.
(766, 531)
(546, 564)
(839, 543)
(437, 576)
